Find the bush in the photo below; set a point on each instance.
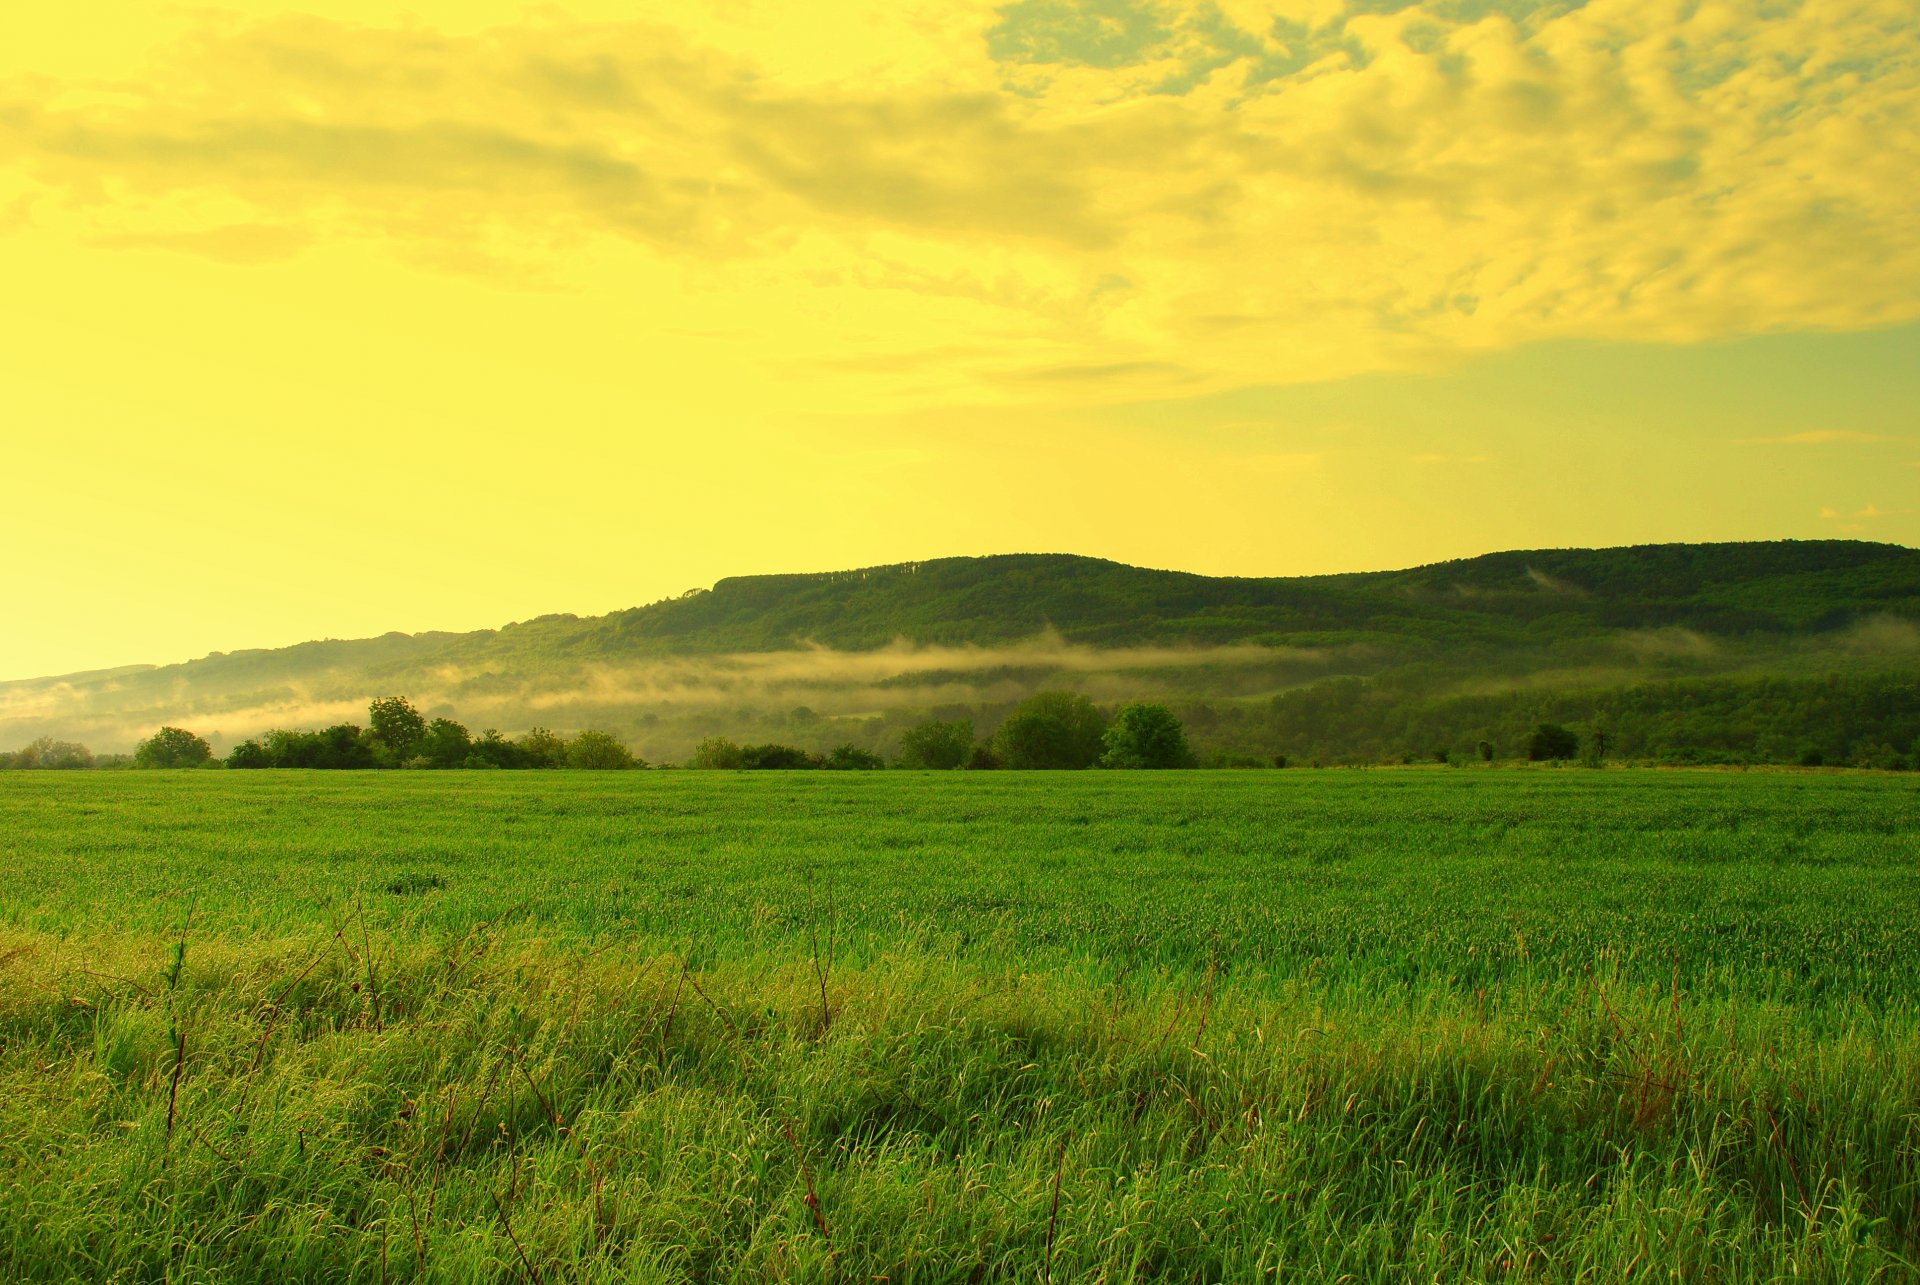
(1146, 736)
(936, 744)
(172, 747)
(1051, 730)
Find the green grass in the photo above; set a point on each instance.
(1456, 1025)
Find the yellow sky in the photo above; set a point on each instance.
(365, 316)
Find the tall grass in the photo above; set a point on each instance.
(314, 1077)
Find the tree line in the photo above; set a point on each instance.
(1051, 730)
(1842, 720)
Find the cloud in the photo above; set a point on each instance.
(1817, 437)
(240, 243)
(1290, 191)
(1855, 521)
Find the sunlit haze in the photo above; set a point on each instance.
(442, 315)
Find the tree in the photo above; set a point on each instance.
(1486, 751)
(543, 748)
(936, 744)
(981, 759)
(49, 754)
(778, 758)
(600, 752)
(494, 750)
(396, 728)
(1552, 741)
(1059, 730)
(851, 758)
(1146, 736)
(718, 753)
(172, 747)
(446, 744)
(249, 754)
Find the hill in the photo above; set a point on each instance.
(1343, 666)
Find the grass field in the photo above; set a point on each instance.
(1382, 1025)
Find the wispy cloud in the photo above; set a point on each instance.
(1288, 192)
(1817, 437)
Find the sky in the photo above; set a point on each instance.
(327, 321)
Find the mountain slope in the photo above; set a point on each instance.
(1780, 587)
(979, 632)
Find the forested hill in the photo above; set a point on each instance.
(1736, 589)
(887, 643)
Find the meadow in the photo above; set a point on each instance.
(1434, 1024)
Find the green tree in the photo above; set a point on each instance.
(543, 748)
(1146, 736)
(981, 758)
(172, 747)
(1059, 730)
(778, 758)
(446, 744)
(490, 749)
(717, 753)
(936, 744)
(49, 754)
(249, 754)
(396, 728)
(851, 758)
(1552, 741)
(600, 752)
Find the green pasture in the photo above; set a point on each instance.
(1455, 1024)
